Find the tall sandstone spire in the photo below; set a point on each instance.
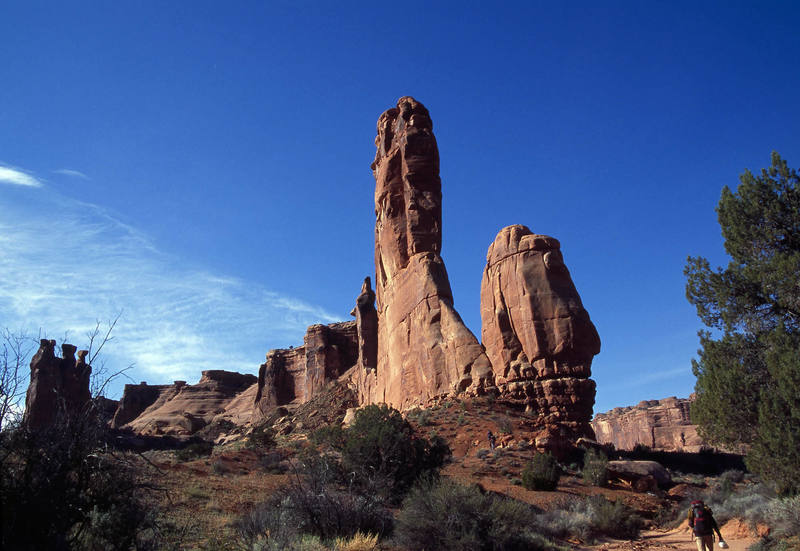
(424, 349)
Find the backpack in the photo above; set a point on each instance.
(702, 519)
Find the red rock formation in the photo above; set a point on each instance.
(58, 386)
(366, 327)
(295, 375)
(182, 409)
(424, 349)
(662, 425)
(136, 399)
(537, 334)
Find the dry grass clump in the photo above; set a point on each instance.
(359, 542)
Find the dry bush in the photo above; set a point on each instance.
(447, 516)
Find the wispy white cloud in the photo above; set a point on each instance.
(17, 177)
(64, 262)
(646, 379)
(73, 173)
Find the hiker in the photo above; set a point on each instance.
(703, 526)
(492, 440)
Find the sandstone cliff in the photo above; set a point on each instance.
(658, 424)
(295, 375)
(424, 349)
(182, 409)
(537, 334)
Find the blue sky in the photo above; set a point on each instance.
(203, 167)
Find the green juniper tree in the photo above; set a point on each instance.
(748, 370)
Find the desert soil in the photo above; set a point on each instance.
(735, 533)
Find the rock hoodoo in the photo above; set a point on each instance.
(366, 327)
(537, 334)
(58, 386)
(662, 425)
(424, 349)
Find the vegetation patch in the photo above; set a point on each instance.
(542, 473)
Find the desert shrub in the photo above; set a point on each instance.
(261, 436)
(272, 462)
(218, 467)
(589, 518)
(313, 509)
(331, 435)
(733, 475)
(421, 416)
(542, 473)
(783, 516)
(505, 426)
(482, 453)
(595, 468)
(749, 502)
(384, 454)
(195, 450)
(62, 488)
(447, 516)
(613, 518)
(461, 420)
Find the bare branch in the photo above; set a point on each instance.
(107, 338)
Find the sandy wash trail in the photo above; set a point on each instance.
(679, 539)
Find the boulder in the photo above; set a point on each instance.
(424, 348)
(636, 471)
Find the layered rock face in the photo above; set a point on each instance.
(58, 386)
(537, 334)
(295, 375)
(424, 349)
(182, 409)
(662, 425)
